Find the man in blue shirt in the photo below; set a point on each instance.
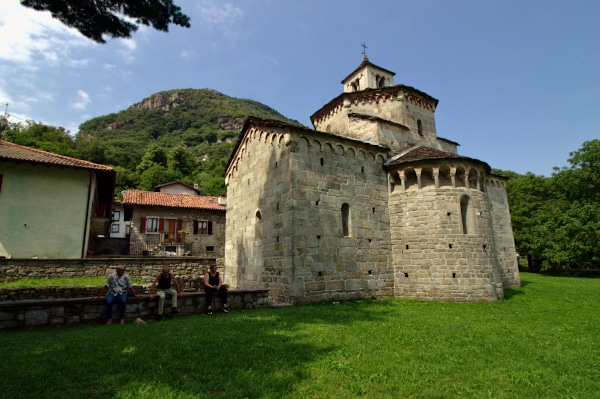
(117, 286)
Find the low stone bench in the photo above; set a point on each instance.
(57, 311)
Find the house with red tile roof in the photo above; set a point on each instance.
(177, 222)
(51, 206)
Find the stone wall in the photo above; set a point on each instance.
(505, 243)
(435, 259)
(284, 221)
(50, 312)
(141, 269)
(64, 292)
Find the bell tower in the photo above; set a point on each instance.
(368, 76)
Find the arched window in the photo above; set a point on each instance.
(467, 215)
(345, 220)
(258, 226)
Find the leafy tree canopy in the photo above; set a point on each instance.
(556, 220)
(96, 18)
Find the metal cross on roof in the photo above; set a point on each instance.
(364, 46)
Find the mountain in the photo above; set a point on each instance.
(185, 135)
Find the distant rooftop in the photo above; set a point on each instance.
(150, 198)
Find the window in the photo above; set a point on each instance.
(1, 182)
(420, 127)
(116, 216)
(345, 220)
(114, 228)
(467, 215)
(152, 225)
(203, 227)
(209, 248)
(258, 226)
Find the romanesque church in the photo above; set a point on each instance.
(369, 204)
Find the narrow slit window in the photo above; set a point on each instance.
(345, 220)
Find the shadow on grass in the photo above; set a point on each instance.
(509, 293)
(572, 273)
(255, 353)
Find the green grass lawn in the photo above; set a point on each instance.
(60, 282)
(543, 341)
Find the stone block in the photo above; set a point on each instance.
(36, 317)
(4, 316)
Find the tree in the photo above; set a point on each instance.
(125, 180)
(153, 176)
(557, 219)
(154, 155)
(179, 160)
(43, 137)
(95, 18)
(576, 230)
(528, 196)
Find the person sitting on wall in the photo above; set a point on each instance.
(117, 286)
(213, 284)
(164, 280)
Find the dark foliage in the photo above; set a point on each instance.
(95, 18)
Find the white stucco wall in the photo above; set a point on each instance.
(43, 210)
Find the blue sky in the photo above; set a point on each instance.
(517, 80)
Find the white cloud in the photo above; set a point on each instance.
(78, 63)
(128, 48)
(109, 67)
(188, 54)
(29, 36)
(220, 17)
(82, 100)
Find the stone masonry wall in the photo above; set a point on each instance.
(51, 312)
(284, 223)
(506, 253)
(144, 268)
(433, 258)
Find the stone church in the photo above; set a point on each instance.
(369, 204)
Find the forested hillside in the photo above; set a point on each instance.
(185, 135)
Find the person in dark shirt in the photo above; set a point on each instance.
(213, 284)
(165, 280)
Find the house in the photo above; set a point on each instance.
(51, 206)
(119, 227)
(371, 203)
(176, 222)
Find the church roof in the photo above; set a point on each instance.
(253, 120)
(419, 153)
(151, 198)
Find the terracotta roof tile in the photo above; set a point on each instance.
(18, 153)
(150, 198)
(421, 153)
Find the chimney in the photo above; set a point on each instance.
(222, 200)
(196, 186)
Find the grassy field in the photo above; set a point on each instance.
(543, 341)
(60, 282)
